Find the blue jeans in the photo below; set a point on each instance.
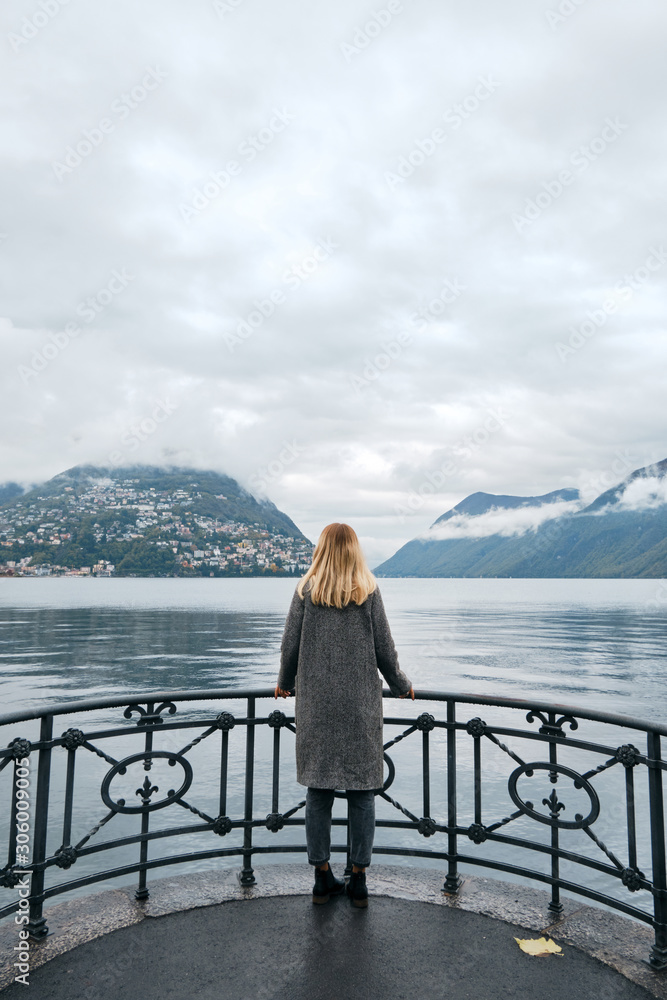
(361, 807)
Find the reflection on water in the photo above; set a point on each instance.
(596, 643)
(113, 650)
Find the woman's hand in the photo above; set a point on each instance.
(280, 693)
(408, 694)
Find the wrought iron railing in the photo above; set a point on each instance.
(543, 746)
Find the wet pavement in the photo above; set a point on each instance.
(285, 947)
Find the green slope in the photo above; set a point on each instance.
(623, 544)
(140, 519)
(238, 505)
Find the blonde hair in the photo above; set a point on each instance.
(339, 572)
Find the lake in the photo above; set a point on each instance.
(598, 644)
(595, 643)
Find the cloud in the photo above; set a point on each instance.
(163, 336)
(642, 493)
(501, 521)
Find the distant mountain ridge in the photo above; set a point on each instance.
(622, 533)
(147, 521)
(614, 495)
(237, 503)
(481, 503)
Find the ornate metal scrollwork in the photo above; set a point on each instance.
(425, 722)
(225, 721)
(555, 805)
(277, 719)
(65, 857)
(549, 727)
(477, 833)
(628, 755)
(476, 727)
(73, 738)
(10, 878)
(222, 825)
(150, 717)
(275, 822)
(426, 826)
(392, 772)
(147, 789)
(579, 821)
(632, 879)
(20, 748)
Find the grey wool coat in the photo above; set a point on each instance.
(331, 657)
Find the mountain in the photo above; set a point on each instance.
(481, 503)
(623, 533)
(147, 521)
(638, 481)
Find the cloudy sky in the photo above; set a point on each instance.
(366, 258)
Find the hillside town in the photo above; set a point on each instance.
(125, 528)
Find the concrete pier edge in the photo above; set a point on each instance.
(619, 942)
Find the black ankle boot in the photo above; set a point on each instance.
(356, 889)
(326, 885)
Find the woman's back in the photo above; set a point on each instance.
(336, 639)
(332, 656)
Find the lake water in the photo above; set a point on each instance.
(598, 644)
(595, 643)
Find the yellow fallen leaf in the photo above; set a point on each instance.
(538, 946)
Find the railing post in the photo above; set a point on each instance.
(36, 926)
(247, 876)
(11, 848)
(275, 793)
(426, 776)
(658, 957)
(224, 760)
(142, 891)
(453, 880)
(555, 905)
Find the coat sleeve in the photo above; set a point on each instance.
(385, 651)
(289, 648)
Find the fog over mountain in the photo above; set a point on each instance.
(501, 520)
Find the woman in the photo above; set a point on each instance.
(336, 639)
